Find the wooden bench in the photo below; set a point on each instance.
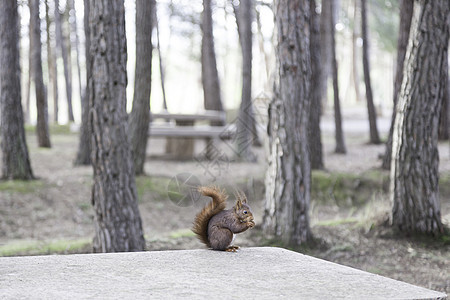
(180, 129)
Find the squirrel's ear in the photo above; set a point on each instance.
(238, 204)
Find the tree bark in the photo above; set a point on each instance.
(246, 127)
(84, 144)
(117, 220)
(52, 67)
(315, 140)
(140, 114)
(15, 158)
(288, 178)
(443, 133)
(41, 97)
(29, 78)
(161, 66)
(339, 134)
(406, 11)
(64, 53)
(210, 76)
(374, 136)
(415, 160)
(355, 53)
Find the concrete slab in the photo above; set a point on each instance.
(251, 273)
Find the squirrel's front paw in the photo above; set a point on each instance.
(251, 224)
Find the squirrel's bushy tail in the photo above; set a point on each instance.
(217, 204)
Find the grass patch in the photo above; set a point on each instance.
(345, 189)
(181, 233)
(53, 129)
(31, 247)
(337, 222)
(21, 186)
(154, 188)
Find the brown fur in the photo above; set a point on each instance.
(218, 204)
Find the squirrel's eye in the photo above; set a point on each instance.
(245, 212)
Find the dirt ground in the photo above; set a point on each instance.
(57, 207)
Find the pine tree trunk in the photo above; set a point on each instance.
(41, 97)
(325, 45)
(63, 48)
(161, 65)
(114, 196)
(140, 115)
(52, 68)
(315, 140)
(355, 53)
(210, 76)
(406, 11)
(415, 160)
(374, 136)
(246, 127)
(339, 134)
(84, 144)
(77, 42)
(288, 178)
(29, 77)
(443, 133)
(15, 158)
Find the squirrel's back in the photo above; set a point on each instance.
(217, 204)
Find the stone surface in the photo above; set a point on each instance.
(255, 273)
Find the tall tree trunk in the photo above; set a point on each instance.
(41, 97)
(140, 115)
(77, 42)
(246, 127)
(315, 140)
(406, 11)
(261, 44)
(210, 76)
(15, 158)
(52, 68)
(66, 61)
(117, 220)
(288, 178)
(355, 52)
(29, 78)
(415, 160)
(339, 135)
(161, 66)
(84, 144)
(325, 44)
(374, 136)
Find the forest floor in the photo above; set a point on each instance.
(349, 205)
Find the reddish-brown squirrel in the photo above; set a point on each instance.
(215, 226)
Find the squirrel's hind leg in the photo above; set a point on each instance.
(232, 249)
(220, 238)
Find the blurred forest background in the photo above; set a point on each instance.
(209, 84)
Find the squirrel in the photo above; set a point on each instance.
(216, 226)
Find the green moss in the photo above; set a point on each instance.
(31, 247)
(337, 222)
(21, 186)
(53, 129)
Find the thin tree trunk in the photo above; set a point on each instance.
(15, 158)
(84, 144)
(339, 135)
(117, 220)
(261, 45)
(210, 76)
(315, 140)
(30, 72)
(355, 56)
(406, 11)
(415, 158)
(161, 66)
(63, 52)
(246, 128)
(325, 44)
(140, 115)
(288, 178)
(374, 136)
(41, 97)
(52, 68)
(77, 42)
